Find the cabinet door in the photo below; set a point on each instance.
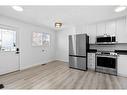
(91, 61)
(91, 31)
(101, 29)
(122, 65)
(111, 27)
(121, 32)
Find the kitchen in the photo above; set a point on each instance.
(111, 43)
(113, 27)
(55, 50)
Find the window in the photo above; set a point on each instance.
(37, 39)
(40, 39)
(7, 40)
(45, 39)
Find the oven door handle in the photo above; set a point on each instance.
(106, 56)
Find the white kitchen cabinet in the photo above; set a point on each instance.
(91, 61)
(111, 27)
(108, 27)
(122, 65)
(121, 28)
(101, 29)
(91, 31)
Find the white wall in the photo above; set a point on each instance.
(62, 43)
(80, 29)
(30, 55)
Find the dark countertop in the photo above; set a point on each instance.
(92, 51)
(121, 52)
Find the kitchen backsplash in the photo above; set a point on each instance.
(119, 46)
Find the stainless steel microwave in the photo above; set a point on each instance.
(106, 39)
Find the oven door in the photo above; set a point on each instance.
(106, 61)
(106, 64)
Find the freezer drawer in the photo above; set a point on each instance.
(77, 62)
(73, 62)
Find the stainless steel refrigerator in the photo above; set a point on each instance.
(78, 48)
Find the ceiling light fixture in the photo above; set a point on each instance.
(121, 8)
(58, 24)
(17, 8)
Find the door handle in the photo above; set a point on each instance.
(17, 52)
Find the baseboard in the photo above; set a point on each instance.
(34, 65)
(122, 75)
(62, 60)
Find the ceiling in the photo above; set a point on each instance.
(68, 15)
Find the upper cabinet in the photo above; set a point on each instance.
(110, 27)
(116, 27)
(91, 31)
(121, 28)
(101, 29)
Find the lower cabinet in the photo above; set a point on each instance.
(122, 65)
(91, 61)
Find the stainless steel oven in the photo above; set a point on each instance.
(106, 62)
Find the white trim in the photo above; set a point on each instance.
(34, 65)
(122, 75)
(8, 27)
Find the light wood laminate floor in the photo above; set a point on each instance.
(57, 75)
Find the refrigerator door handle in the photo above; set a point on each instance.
(78, 56)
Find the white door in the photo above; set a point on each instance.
(9, 57)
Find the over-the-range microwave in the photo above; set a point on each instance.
(106, 39)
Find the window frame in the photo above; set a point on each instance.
(8, 28)
(42, 45)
